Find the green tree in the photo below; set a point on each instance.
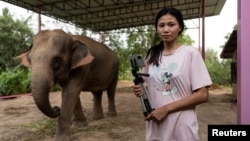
(116, 42)
(15, 37)
(219, 70)
(183, 38)
(136, 41)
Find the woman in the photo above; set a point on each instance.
(178, 82)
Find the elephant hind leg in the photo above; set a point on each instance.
(97, 107)
(111, 99)
(79, 119)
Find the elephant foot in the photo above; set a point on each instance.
(79, 123)
(62, 138)
(112, 114)
(97, 116)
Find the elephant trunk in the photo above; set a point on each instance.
(40, 91)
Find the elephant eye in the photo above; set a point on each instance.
(57, 62)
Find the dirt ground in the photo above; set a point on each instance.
(20, 120)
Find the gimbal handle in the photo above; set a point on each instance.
(144, 98)
(137, 62)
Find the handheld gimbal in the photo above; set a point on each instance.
(137, 62)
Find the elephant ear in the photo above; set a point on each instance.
(80, 55)
(24, 59)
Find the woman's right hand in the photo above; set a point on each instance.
(137, 90)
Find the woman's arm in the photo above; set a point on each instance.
(198, 97)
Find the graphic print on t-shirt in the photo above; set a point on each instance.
(163, 76)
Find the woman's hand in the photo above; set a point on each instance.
(189, 102)
(137, 90)
(158, 114)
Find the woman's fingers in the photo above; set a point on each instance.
(137, 90)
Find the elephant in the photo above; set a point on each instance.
(77, 63)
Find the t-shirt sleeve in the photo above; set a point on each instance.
(199, 73)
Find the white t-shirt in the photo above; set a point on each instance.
(177, 75)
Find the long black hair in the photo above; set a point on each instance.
(155, 51)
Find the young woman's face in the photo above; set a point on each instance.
(168, 28)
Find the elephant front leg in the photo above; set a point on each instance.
(63, 128)
(97, 107)
(79, 119)
(69, 100)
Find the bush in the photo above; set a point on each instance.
(14, 82)
(18, 81)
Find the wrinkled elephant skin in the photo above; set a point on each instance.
(77, 63)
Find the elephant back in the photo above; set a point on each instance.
(98, 49)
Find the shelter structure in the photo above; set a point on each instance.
(108, 15)
(105, 15)
(230, 52)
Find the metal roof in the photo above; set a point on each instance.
(103, 15)
(230, 46)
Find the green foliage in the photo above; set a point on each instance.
(15, 37)
(55, 87)
(118, 46)
(43, 127)
(219, 70)
(15, 81)
(138, 41)
(185, 39)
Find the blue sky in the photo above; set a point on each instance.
(216, 27)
